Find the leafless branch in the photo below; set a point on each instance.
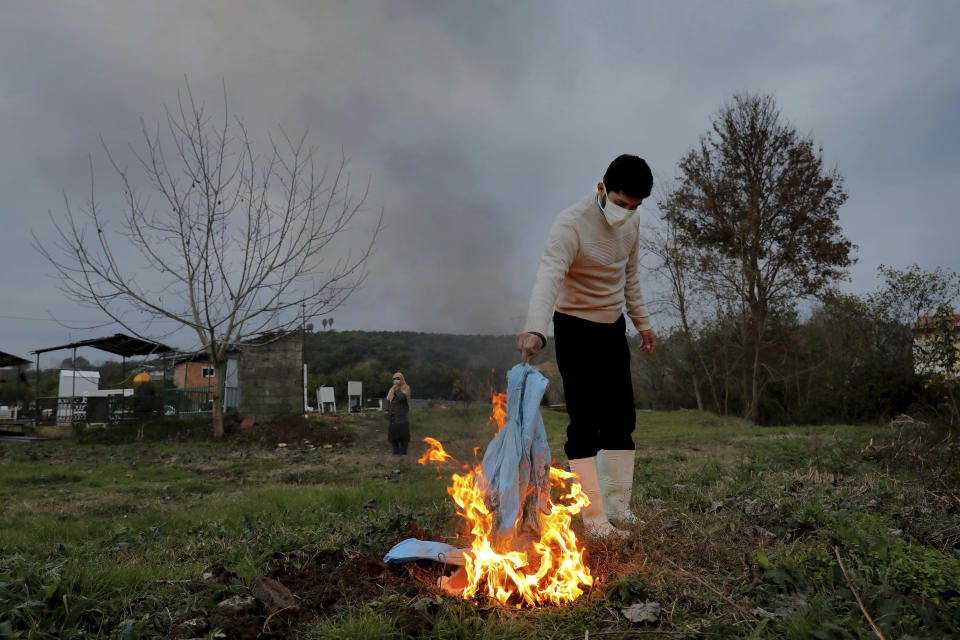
(235, 242)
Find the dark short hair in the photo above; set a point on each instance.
(630, 175)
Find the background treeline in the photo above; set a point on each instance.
(436, 366)
(848, 359)
(844, 359)
(846, 362)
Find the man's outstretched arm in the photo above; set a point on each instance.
(562, 244)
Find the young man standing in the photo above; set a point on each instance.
(588, 271)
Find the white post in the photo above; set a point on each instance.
(306, 404)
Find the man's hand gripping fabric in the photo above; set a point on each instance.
(529, 345)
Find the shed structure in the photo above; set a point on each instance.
(10, 361)
(118, 344)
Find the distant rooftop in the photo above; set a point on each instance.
(926, 323)
(10, 360)
(119, 344)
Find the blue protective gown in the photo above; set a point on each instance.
(516, 465)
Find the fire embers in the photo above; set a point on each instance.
(529, 568)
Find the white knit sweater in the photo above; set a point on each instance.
(588, 270)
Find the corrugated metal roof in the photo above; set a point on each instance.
(10, 360)
(119, 344)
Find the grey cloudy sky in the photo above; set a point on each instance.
(478, 122)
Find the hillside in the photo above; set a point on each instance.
(436, 365)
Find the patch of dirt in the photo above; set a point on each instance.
(336, 578)
(242, 622)
(307, 586)
(296, 430)
(413, 530)
(321, 584)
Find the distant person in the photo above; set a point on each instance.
(588, 272)
(398, 412)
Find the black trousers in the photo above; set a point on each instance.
(398, 434)
(594, 362)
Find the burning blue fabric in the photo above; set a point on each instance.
(516, 465)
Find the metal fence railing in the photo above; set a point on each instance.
(190, 402)
(82, 410)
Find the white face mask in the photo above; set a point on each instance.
(614, 214)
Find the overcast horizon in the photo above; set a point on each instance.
(476, 123)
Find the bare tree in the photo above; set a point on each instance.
(757, 203)
(229, 242)
(675, 264)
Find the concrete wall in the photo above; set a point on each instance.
(270, 378)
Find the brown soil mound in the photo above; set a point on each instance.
(413, 530)
(295, 430)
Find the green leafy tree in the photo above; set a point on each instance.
(943, 350)
(911, 294)
(913, 297)
(852, 364)
(756, 201)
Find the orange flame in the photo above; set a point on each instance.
(499, 415)
(549, 570)
(434, 452)
(555, 573)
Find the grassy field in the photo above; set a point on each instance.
(750, 532)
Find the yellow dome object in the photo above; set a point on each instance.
(142, 379)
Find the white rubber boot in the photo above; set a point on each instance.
(615, 474)
(594, 517)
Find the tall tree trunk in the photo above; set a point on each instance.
(692, 354)
(755, 336)
(712, 384)
(217, 413)
(696, 391)
(216, 398)
(726, 394)
(746, 399)
(753, 412)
